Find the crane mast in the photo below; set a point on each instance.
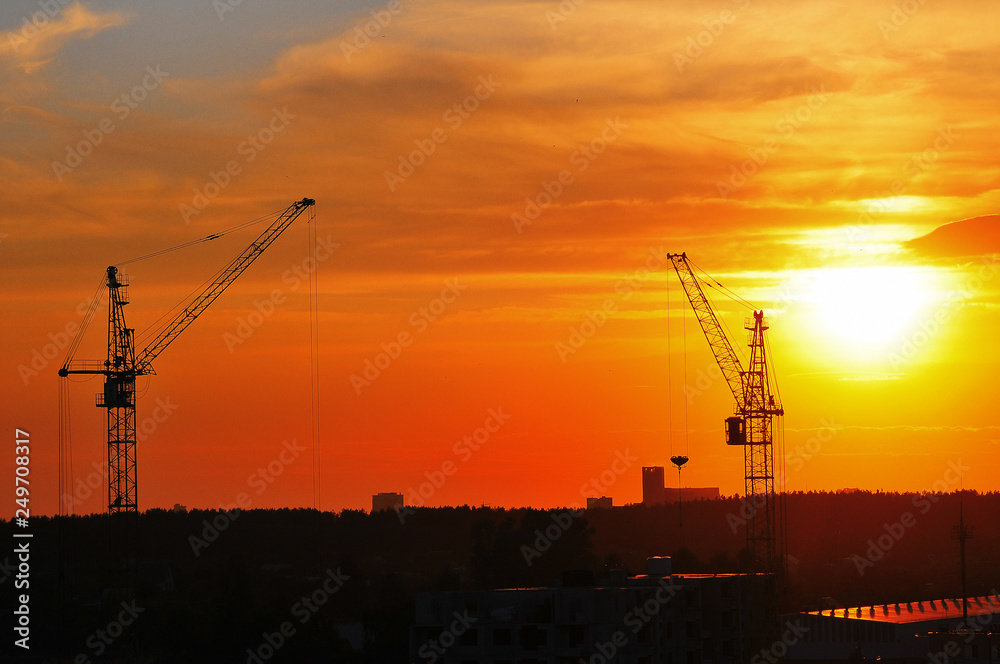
(123, 365)
(751, 427)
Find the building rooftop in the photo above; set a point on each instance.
(908, 612)
(632, 581)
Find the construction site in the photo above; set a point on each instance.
(730, 590)
(529, 331)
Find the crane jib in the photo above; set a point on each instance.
(124, 364)
(751, 427)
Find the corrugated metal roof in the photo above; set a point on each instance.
(908, 612)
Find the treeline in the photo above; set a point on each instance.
(847, 549)
(213, 585)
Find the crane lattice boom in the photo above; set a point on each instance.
(728, 361)
(215, 289)
(752, 428)
(124, 364)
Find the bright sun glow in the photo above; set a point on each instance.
(896, 203)
(870, 307)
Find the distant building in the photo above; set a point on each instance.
(658, 617)
(603, 503)
(655, 493)
(386, 501)
(179, 508)
(931, 630)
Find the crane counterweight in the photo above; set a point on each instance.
(750, 427)
(124, 364)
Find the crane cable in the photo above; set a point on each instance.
(156, 326)
(207, 238)
(670, 380)
(782, 489)
(65, 501)
(737, 348)
(85, 323)
(65, 443)
(712, 282)
(314, 356)
(65, 498)
(151, 329)
(687, 442)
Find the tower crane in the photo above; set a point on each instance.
(124, 364)
(751, 427)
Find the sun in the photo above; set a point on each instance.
(870, 308)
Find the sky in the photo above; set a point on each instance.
(497, 186)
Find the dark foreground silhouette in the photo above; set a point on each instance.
(298, 585)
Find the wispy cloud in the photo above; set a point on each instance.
(33, 48)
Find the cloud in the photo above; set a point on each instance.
(34, 45)
(913, 428)
(978, 236)
(362, 102)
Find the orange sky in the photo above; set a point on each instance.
(803, 154)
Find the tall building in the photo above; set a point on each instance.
(386, 501)
(652, 484)
(658, 617)
(655, 493)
